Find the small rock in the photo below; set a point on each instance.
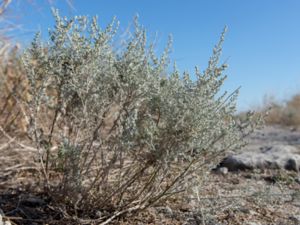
(293, 129)
(291, 164)
(223, 170)
(264, 157)
(295, 219)
(165, 210)
(253, 223)
(33, 202)
(98, 214)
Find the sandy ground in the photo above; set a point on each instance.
(254, 197)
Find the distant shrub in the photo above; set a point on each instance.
(285, 113)
(118, 129)
(12, 84)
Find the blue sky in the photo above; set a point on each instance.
(262, 44)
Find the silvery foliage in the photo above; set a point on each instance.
(166, 125)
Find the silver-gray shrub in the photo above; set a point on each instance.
(119, 129)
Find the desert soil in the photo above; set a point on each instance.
(255, 196)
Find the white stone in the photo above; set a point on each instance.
(264, 157)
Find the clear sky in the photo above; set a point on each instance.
(262, 44)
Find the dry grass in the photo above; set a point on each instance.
(283, 113)
(12, 80)
(13, 84)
